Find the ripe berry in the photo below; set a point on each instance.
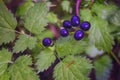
(85, 25)
(79, 34)
(75, 21)
(64, 32)
(47, 42)
(67, 24)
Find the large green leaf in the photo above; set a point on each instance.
(45, 59)
(72, 68)
(5, 76)
(20, 70)
(67, 46)
(23, 8)
(7, 24)
(35, 19)
(104, 11)
(99, 34)
(5, 58)
(115, 18)
(103, 67)
(24, 42)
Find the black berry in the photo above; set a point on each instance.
(79, 34)
(67, 24)
(75, 21)
(85, 25)
(47, 42)
(64, 32)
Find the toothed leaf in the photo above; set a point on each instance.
(7, 24)
(24, 42)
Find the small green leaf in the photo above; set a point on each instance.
(72, 68)
(5, 76)
(66, 6)
(35, 19)
(24, 42)
(99, 34)
(5, 58)
(45, 59)
(67, 46)
(52, 17)
(23, 8)
(7, 24)
(20, 70)
(103, 67)
(83, 13)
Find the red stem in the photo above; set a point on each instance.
(77, 7)
(54, 30)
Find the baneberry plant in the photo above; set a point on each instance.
(58, 39)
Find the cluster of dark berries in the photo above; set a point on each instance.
(75, 22)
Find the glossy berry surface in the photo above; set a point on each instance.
(67, 24)
(79, 34)
(75, 21)
(47, 42)
(85, 25)
(64, 32)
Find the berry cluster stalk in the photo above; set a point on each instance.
(77, 7)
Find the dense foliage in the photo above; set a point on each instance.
(23, 56)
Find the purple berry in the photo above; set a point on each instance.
(47, 41)
(67, 24)
(75, 21)
(79, 34)
(85, 25)
(64, 32)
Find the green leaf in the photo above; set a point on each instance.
(6, 35)
(100, 1)
(104, 11)
(52, 17)
(45, 59)
(36, 50)
(103, 67)
(7, 24)
(115, 18)
(5, 76)
(72, 68)
(99, 34)
(47, 33)
(83, 13)
(5, 58)
(67, 46)
(66, 6)
(24, 42)
(35, 19)
(23, 8)
(20, 70)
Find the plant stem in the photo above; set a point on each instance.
(77, 7)
(18, 32)
(54, 30)
(117, 60)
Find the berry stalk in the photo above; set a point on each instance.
(77, 7)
